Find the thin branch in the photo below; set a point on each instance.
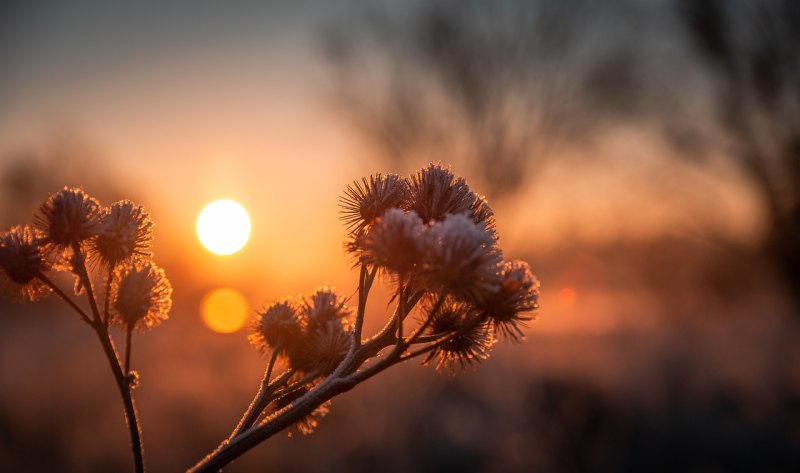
(107, 303)
(121, 377)
(362, 305)
(128, 333)
(440, 341)
(401, 314)
(65, 297)
(258, 404)
(417, 333)
(87, 282)
(131, 416)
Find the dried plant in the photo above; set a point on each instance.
(71, 229)
(428, 236)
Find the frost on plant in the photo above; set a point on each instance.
(434, 241)
(71, 230)
(429, 237)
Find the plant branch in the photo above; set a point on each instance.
(230, 451)
(128, 333)
(258, 404)
(109, 280)
(131, 415)
(362, 305)
(87, 282)
(418, 332)
(121, 377)
(65, 297)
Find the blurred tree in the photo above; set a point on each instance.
(750, 50)
(492, 87)
(65, 159)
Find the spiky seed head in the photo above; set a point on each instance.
(127, 231)
(366, 200)
(469, 337)
(434, 192)
(68, 217)
(21, 260)
(462, 258)
(397, 241)
(141, 295)
(277, 325)
(517, 296)
(322, 306)
(324, 349)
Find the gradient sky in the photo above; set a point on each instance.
(192, 103)
(188, 102)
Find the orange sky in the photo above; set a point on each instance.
(242, 113)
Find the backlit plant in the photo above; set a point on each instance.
(429, 237)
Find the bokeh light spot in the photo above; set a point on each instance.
(566, 296)
(224, 310)
(223, 227)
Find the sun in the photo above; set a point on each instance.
(223, 227)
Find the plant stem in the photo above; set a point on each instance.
(228, 452)
(65, 297)
(106, 316)
(257, 405)
(362, 303)
(87, 282)
(128, 334)
(101, 329)
(401, 310)
(131, 416)
(425, 324)
(345, 377)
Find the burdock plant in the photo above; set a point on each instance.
(73, 232)
(429, 237)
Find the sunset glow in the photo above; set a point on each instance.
(566, 296)
(223, 227)
(224, 310)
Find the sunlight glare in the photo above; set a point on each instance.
(224, 310)
(223, 227)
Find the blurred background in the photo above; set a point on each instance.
(643, 156)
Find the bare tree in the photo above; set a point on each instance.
(494, 87)
(750, 48)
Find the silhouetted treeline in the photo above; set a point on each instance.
(502, 88)
(751, 51)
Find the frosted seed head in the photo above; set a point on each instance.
(21, 260)
(323, 306)
(469, 338)
(462, 258)
(397, 241)
(68, 217)
(141, 295)
(365, 201)
(509, 307)
(434, 192)
(127, 231)
(276, 325)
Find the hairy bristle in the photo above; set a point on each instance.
(366, 200)
(434, 192)
(462, 259)
(141, 295)
(68, 217)
(468, 339)
(127, 231)
(21, 260)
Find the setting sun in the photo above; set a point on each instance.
(223, 227)
(224, 310)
